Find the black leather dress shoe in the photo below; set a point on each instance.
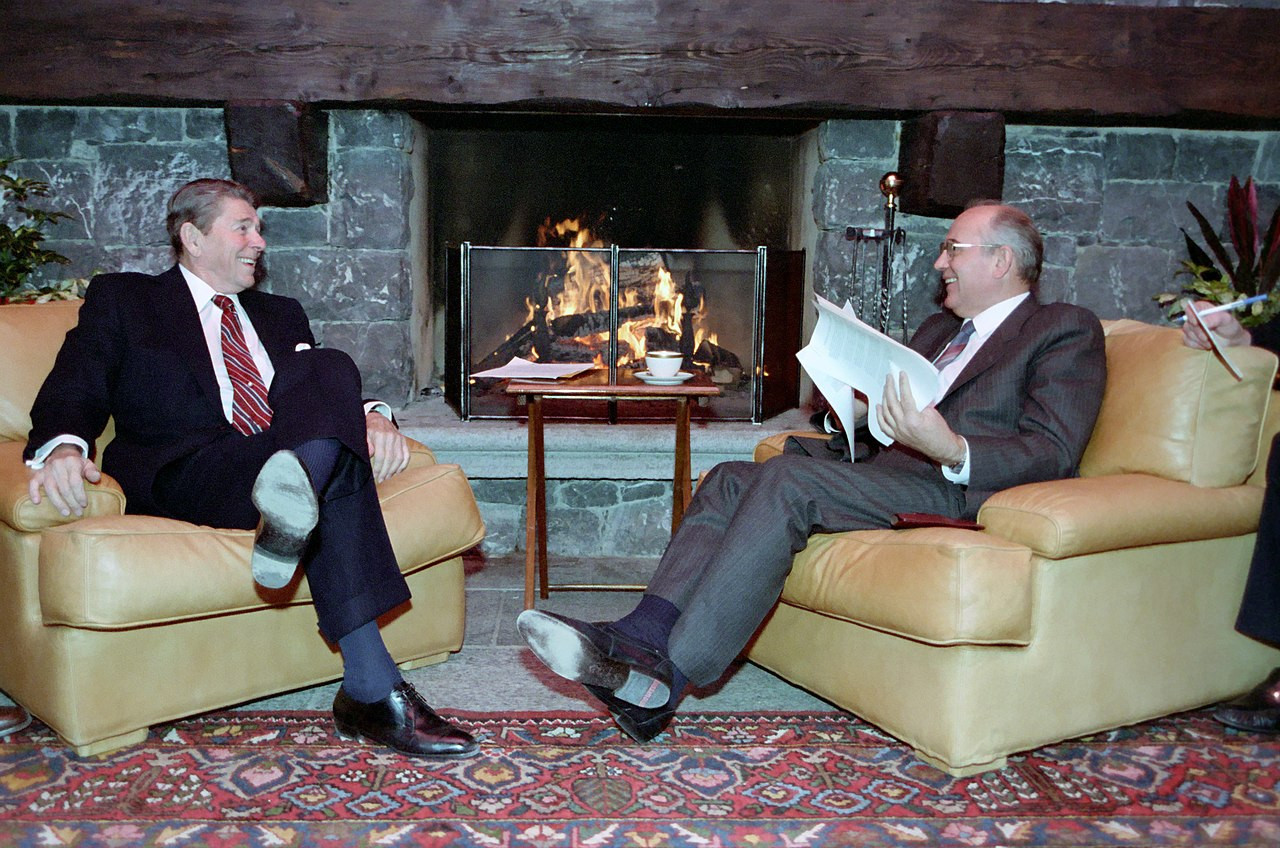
(404, 722)
(640, 723)
(596, 655)
(287, 503)
(1257, 711)
(13, 719)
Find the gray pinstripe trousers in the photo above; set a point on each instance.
(725, 567)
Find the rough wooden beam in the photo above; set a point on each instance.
(794, 57)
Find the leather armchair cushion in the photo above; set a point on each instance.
(938, 585)
(126, 571)
(1064, 518)
(1175, 412)
(30, 336)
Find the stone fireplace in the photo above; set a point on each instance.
(590, 238)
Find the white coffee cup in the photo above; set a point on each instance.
(663, 363)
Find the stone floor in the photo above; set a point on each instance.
(495, 671)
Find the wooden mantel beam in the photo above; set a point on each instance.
(1197, 66)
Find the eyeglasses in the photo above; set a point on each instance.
(950, 246)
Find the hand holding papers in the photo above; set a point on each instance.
(523, 369)
(844, 354)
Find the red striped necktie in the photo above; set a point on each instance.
(250, 412)
(956, 347)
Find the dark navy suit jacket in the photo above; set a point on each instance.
(138, 354)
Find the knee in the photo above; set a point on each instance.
(323, 367)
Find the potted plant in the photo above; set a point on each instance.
(1215, 276)
(22, 230)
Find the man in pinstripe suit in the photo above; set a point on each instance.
(1021, 399)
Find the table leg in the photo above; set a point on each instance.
(680, 487)
(535, 533)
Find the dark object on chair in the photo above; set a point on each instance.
(13, 719)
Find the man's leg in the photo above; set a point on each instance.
(724, 570)
(1259, 617)
(318, 421)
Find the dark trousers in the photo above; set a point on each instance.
(350, 566)
(726, 565)
(1260, 609)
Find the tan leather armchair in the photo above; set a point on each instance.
(113, 622)
(1084, 604)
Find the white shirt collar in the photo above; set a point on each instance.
(201, 292)
(986, 321)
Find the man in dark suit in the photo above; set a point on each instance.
(1259, 616)
(1025, 383)
(227, 415)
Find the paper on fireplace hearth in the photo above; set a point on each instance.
(523, 369)
(845, 353)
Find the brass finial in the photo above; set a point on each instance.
(890, 185)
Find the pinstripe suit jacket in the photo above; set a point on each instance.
(1028, 399)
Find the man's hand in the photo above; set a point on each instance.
(1225, 326)
(62, 479)
(388, 448)
(924, 430)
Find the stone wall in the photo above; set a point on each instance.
(1110, 203)
(347, 260)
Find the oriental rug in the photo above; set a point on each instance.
(560, 780)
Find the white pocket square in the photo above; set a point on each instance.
(302, 346)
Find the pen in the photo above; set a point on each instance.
(1224, 307)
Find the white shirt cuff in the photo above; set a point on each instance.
(37, 462)
(959, 474)
(379, 407)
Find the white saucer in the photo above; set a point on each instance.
(679, 378)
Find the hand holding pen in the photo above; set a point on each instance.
(1221, 320)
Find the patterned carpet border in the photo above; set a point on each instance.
(561, 780)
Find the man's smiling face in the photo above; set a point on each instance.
(227, 256)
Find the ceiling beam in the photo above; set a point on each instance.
(1043, 61)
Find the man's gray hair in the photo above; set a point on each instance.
(197, 203)
(1012, 226)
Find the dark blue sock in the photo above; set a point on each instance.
(319, 457)
(650, 624)
(368, 672)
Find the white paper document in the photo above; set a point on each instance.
(845, 353)
(523, 369)
(1214, 342)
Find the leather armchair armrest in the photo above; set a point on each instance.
(1082, 515)
(17, 510)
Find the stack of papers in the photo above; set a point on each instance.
(845, 353)
(523, 369)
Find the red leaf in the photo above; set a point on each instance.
(1242, 210)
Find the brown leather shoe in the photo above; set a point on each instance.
(1257, 711)
(13, 719)
(404, 722)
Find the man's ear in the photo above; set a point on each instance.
(190, 236)
(1004, 260)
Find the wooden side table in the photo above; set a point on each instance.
(595, 385)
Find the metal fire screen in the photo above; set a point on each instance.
(734, 314)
